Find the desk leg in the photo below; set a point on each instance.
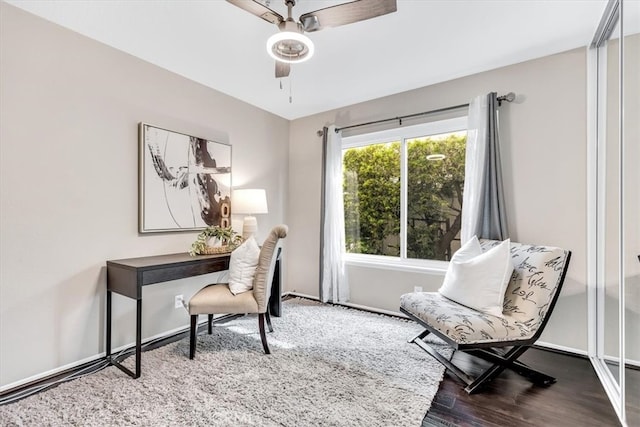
(108, 336)
(114, 360)
(138, 337)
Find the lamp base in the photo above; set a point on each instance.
(249, 227)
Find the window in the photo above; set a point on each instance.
(403, 191)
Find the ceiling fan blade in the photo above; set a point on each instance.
(346, 13)
(282, 69)
(258, 9)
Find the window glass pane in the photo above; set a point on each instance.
(372, 199)
(435, 181)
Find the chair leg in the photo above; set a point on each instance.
(484, 378)
(210, 324)
(509, 360)
(263, 335)
(536, 377)
(444, 362)
(268, 317)
(420, 336)
(500, 364)
(193, 335)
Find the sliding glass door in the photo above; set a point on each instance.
(615, 206)
(630, 90)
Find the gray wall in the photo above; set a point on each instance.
(68, 162)
(543, 140)
(68, 184)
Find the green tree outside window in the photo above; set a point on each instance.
(371, 184)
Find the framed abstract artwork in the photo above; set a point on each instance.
(184, 181)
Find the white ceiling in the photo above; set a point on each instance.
(424, 42)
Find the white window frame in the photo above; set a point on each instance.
(402, 134)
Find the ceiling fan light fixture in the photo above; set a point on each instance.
(290, 47)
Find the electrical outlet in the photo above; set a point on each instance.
(178, 301)
(417, 289)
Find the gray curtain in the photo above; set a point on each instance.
(483, 210)
(494, 217)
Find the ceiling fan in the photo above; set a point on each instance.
(290, 45)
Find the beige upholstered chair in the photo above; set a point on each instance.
(218, 299)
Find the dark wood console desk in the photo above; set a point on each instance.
(128, 276)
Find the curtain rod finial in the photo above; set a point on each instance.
(509, 97)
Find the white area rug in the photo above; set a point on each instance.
(330, 366)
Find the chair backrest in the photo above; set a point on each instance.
(266, 266)
(535, 284)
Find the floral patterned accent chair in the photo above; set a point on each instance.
(531, 295)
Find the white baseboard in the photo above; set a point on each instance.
(543, 344)
(298, 294)
(165, 334)
(50, 372)
(90, 359)
(374, 310)
(562, 348)
(394, 313)
(348, 304)
(630, 362)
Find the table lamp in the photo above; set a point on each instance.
(249, 202)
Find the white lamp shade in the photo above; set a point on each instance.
(249, 201)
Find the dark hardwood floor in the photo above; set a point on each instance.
(576, 399)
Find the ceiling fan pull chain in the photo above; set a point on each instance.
(290, 90)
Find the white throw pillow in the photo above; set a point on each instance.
(242, 266)
(479, 280)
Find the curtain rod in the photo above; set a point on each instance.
(508, 97)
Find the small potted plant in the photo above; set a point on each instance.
(225, 240)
